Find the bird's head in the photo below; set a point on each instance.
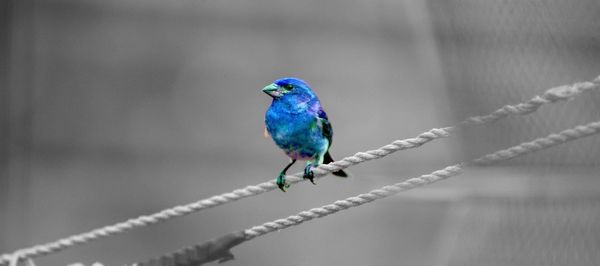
(289, 88)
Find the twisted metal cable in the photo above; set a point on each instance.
(384, 192)
(219, 249)
(550, 96)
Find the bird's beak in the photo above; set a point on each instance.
(272, 90)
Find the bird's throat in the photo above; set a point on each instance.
(293, 103)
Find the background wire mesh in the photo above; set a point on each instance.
(114, 109)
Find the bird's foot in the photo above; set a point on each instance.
(308, 174)
(281, 182)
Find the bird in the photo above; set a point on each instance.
(299, 126)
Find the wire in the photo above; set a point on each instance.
(550, 96)
(219, 248)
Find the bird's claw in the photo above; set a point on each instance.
(308, 174)
(281, 182)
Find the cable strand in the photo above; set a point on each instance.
(221, 247)
(453, 170)
(552, 95)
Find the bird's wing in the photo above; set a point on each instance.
(325, 125)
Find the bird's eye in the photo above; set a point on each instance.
(288, 87)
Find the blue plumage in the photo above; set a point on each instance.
(298, 125)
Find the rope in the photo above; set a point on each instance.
(14, 260)
(550, 96)
(219, 248)
(384, 192)
(350, 202)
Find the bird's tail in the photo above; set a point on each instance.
(327, 159)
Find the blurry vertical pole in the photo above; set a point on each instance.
(4, 33)
(420, 19)
(17, 116)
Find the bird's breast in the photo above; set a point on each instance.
(296, 133)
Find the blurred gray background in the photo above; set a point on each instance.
(114, 109)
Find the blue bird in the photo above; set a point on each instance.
(299, 126)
